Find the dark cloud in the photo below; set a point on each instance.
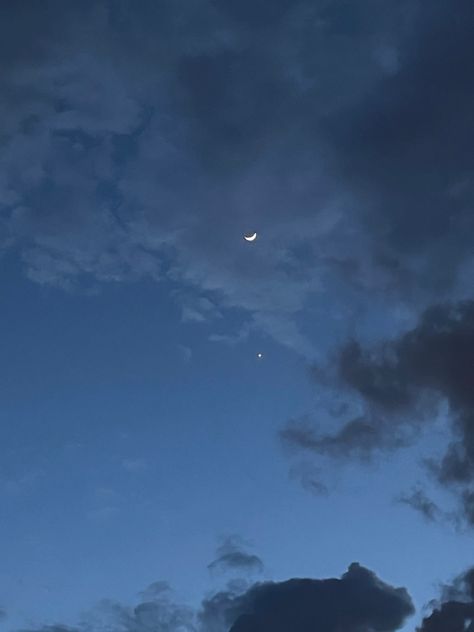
(296, 117)
(358, 438)
(437, 356)
(456, 611)
(359, 601)
(231, 555)
(399, 382)
(418, 500)
(405, 150)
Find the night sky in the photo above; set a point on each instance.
(204, 434)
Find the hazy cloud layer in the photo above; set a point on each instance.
(340, 131)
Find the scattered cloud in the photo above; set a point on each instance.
(399, 383)
(155, 591)
(358, 438)
(419, 501)
(231, 555)
(358, 601)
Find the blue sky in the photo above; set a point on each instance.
(142, 439)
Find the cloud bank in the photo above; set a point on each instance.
(341, 132)
(357, 602)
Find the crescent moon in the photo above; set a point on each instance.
(251, 237)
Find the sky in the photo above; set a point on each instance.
(204, 434)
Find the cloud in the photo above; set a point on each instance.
(358, 601)
(159, 613)
(399, 382)
(404, 150)
(232, 556)
(310, 477)
(456, 611)
(358, 438)
(418, 500)
(155, 591)
(298, 119)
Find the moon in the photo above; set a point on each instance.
(250, 236)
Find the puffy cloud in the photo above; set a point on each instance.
(359, 601)
(455, 613)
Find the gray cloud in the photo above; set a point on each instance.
(356, 602)
(455, 612)
(399, 383)
(310, 477)
(405, 149)
(270, 116)
(358, 438)
(418, 500)
(231, 555)
(359, 601)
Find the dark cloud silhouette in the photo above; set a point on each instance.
(231, 555)
(436, 356)
(358, 601)
(456, 611)
(398, 381)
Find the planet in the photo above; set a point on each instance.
(259, 355)
(250, 236)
